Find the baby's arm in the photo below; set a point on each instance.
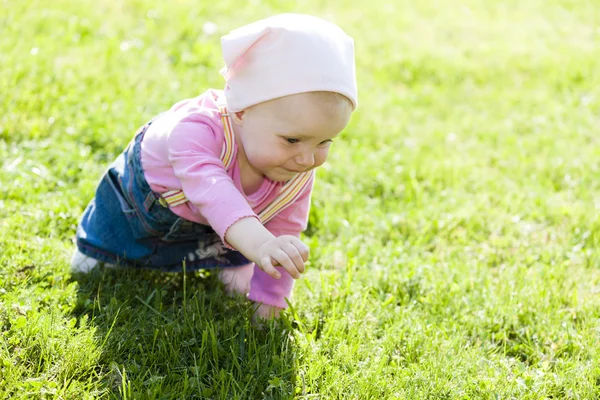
(259, 245)
(194, 148)
(264, 288)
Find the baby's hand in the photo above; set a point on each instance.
(287, 251)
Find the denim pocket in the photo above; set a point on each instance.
(139, 228)
(112, 178)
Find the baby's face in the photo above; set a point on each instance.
(293, 134)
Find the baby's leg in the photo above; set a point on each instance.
(84, 264)
(237, 280)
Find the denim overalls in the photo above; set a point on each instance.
(129, 225)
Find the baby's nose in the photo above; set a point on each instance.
(306, 160)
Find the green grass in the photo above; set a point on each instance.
(455, 231)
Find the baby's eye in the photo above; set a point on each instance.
(325, 143)
(292, 140)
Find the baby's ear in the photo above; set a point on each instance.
(238, 116)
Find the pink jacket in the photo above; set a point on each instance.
(181, 150)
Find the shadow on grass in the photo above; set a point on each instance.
(179, 336)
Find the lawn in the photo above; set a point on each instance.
(454, 233)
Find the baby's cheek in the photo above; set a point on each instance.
(259, 155)
(321, 157)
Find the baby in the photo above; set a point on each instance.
(224, 180)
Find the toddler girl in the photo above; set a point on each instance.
(224, 180)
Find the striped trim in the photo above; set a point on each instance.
(174, 197)
(289, 193)
(227, 152)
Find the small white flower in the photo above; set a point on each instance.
(209, 28)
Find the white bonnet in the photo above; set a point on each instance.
(287, 54)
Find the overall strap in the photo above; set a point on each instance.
(228, 145)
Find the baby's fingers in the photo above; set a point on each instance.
(302, 248)
(284, 260)
(267, 266)
(294, 255)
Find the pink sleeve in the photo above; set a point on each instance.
(290, 221)
(194, 153)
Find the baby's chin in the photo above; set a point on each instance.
(280, 175)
